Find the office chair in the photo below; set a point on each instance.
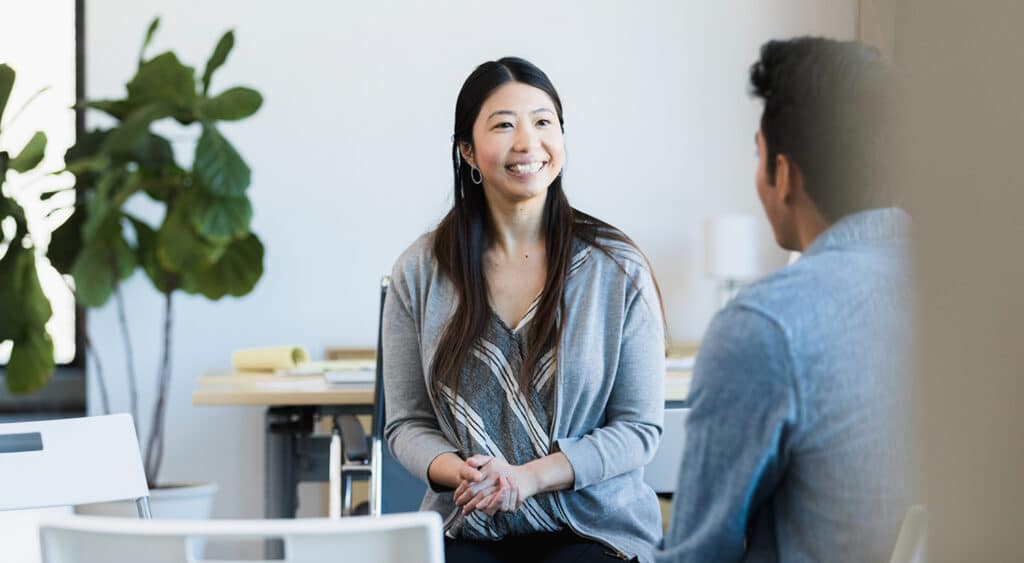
(369, 456)
(71, 461)
(395, 538)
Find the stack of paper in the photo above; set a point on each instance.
(269, 359)
(349, 376)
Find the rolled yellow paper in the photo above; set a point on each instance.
(269, 359)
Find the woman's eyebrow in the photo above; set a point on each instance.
(512, 113)
(502, 112)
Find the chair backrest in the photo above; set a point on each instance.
(397, 538)
(910, 545)
(662, 473)
(70, 461)
(377, 424)
(392, 488)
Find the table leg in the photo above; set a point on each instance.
(280, 486)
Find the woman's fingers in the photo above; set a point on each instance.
(462, 493)
(497, 500)
(468, 473)
(479, 460)
(477, 500)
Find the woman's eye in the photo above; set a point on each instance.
(543, 122)
(503, 125)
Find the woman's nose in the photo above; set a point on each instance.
(526, 138)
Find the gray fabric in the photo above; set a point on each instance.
(609, 390)
(795, 443)
(492, 415)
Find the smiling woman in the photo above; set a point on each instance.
(41, 43)
(524, 347)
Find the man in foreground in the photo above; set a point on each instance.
(794, 445)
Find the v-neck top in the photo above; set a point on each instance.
(493, 415)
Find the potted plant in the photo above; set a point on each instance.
(24, 309)
(203, 243)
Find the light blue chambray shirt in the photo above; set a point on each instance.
(795, 444)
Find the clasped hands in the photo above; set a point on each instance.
(491, 485)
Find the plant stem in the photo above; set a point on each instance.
(122, 320)
(90, 352)
(155, 444)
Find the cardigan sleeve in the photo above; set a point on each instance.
(636, 406)
(412, 429)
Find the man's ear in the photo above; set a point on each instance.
(788, 180)
(467, 153)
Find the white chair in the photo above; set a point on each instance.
(910, 545)
(71, 461)
(662, 473)
(394, 538)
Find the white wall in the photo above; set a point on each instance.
(350, 159)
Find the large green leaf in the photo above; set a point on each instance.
(31, 154)
(31, 363)
(145, 239)
(218, 164)
(118, 109)
(180, 249)
(220, 219)
(25, 311)
(166, 80)
(236, 273)
(66, 242)
(11, 321)
(231, 105)
(6, 85)
(86, 146)
(100, 209)
(170, 180)
(94, 269)
(35, 307)
(135, 128)
(87, 165)
(220, 54)
(11, 209)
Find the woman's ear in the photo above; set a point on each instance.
(467, 153)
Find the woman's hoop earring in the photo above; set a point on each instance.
(475, 175)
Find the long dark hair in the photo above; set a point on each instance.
(466, 232)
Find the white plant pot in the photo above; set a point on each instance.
(187, 501)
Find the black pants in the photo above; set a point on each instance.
(557, 547)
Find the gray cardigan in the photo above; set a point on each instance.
(609, 399)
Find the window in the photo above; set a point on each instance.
(41, 42)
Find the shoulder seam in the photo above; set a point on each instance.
(787, 338)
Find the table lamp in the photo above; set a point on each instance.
(731, 252)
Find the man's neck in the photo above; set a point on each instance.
(809, 225)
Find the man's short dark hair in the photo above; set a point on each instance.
(827, 107)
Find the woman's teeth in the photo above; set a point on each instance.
(526, 168)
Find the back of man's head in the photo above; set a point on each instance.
(828, 108)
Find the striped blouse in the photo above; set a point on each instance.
(492, 415)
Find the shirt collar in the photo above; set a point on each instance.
(888, 223)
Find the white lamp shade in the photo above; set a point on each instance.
(731, 247)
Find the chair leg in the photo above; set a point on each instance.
(346, 494)
(334, 474)
(142, 505)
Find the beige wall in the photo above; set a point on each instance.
(876, 25)
(963, 62)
